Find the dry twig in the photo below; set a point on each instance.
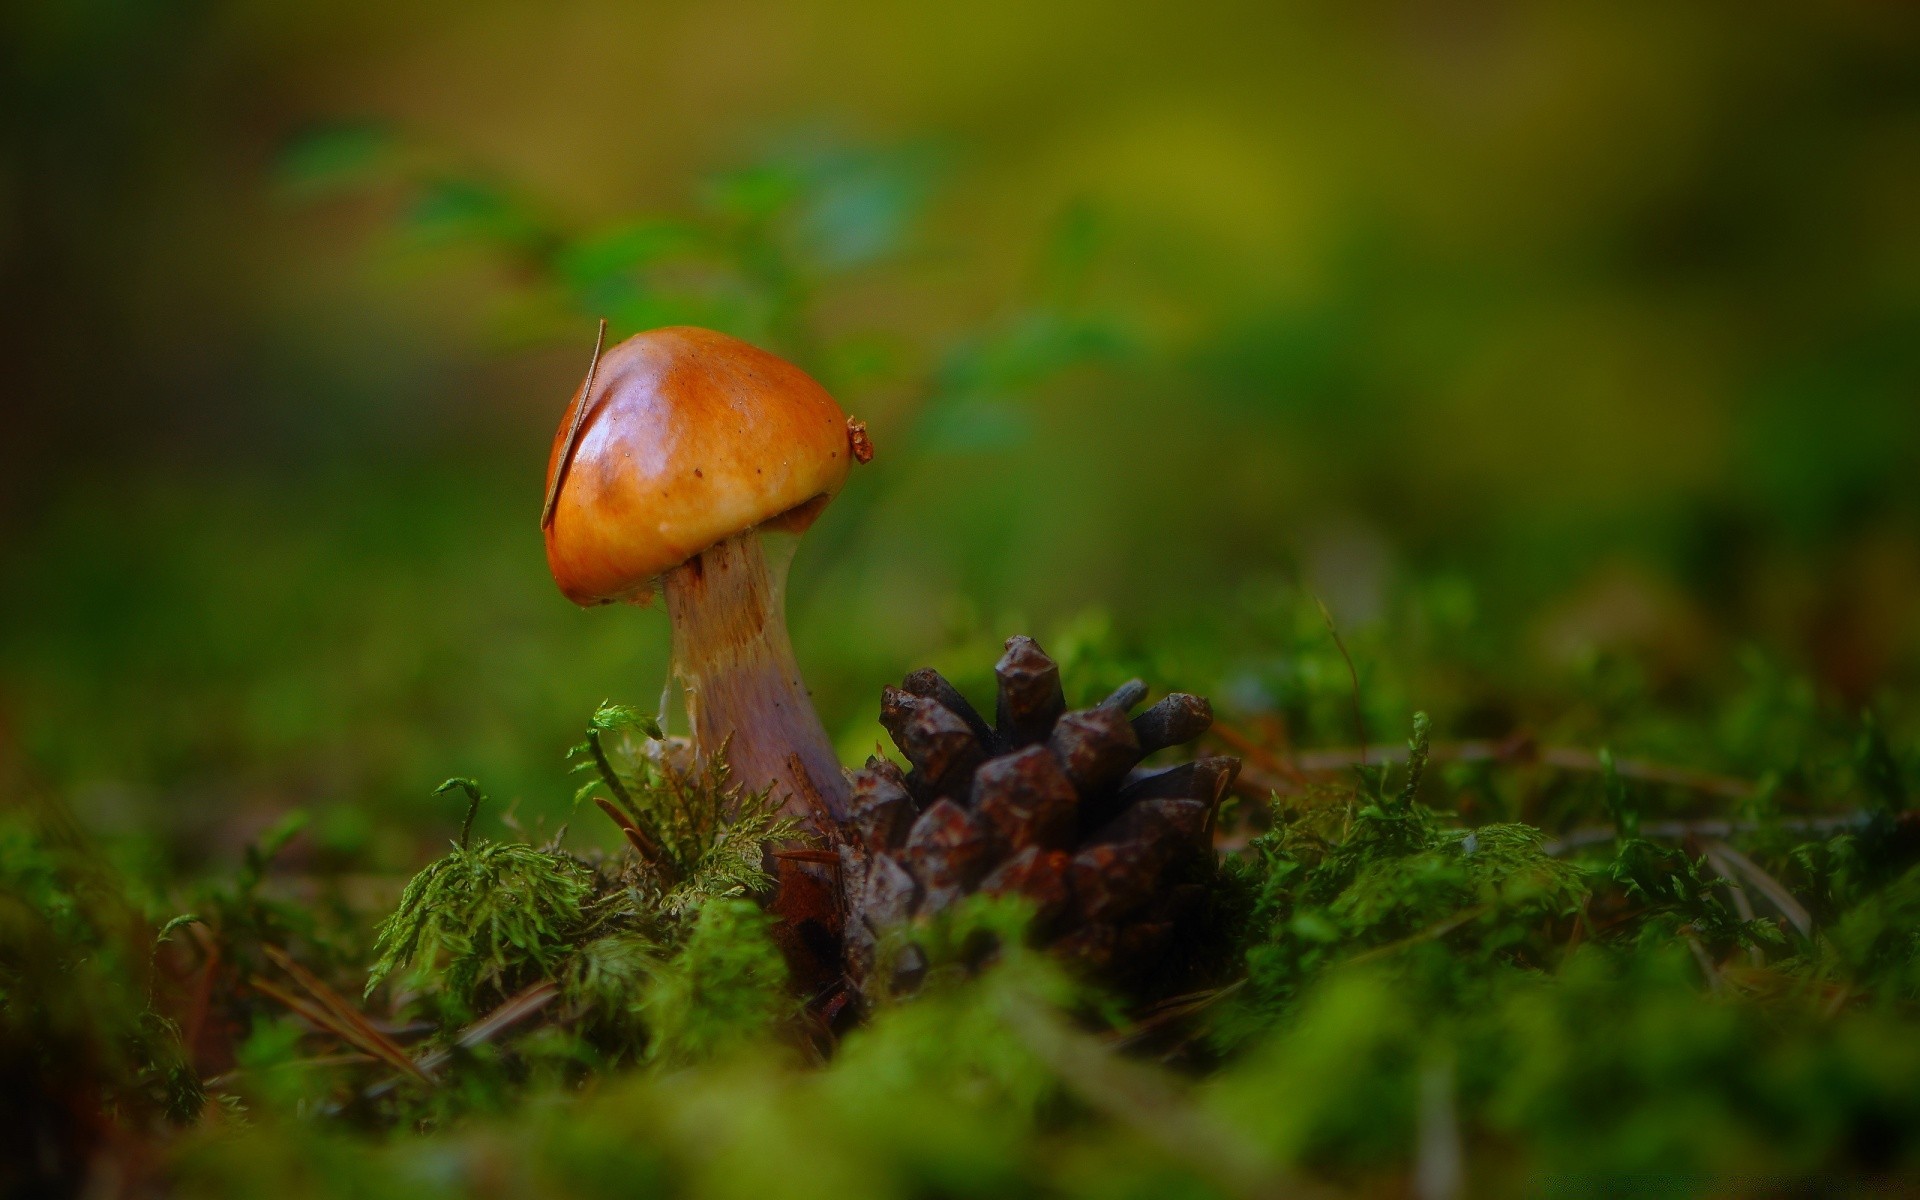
(334, 1014)
(1149, 1106)
(1775, 892)
(1289, 775)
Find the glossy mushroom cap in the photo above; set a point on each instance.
(690, 438)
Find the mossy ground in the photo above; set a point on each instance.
(1405, 1001)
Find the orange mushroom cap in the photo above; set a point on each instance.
(690, 437)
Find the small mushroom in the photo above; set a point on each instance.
(695, 465)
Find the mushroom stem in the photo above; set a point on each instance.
(743, 689)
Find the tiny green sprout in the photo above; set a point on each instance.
(1620, 806)
(615, 718)
(474, 798)
(1353, 676)
(261, 852)
(1418, 748)
(181, 921)
(1878, 768)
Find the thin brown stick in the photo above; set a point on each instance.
(1734, 891)
(649, 852)
(1515, 751)
(1838, 1001)
(1700, 956)
(1709, 827)
(614, 813)
(1149, 1106)
(573, 430)
(1775, 891)
(1245, 744)
(511, 1012)
(369, 1038)
(522, 1005)
(1580, 921)
(1742, 906)
(1171, 1010)
(354, 1033)
(1439, 929)
(202, 1001)
(823, 857)
(1353, 673)
(349, 1058)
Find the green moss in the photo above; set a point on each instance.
(657, 954)
(1399, 958)
(484, 920)
(726, 988)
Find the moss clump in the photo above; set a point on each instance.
(484, 920)
(1369, 870)
(656, 954)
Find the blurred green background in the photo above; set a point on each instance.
(1553, 346)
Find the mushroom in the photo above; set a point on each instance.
(691, 461)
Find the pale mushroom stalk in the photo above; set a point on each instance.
(688, 464)
(743, 688)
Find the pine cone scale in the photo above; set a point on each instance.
(1177, 718)
(1041, 876)
(1030, 698)
(947, 851)
(1096, 746)
(1113, 879)
(1026, 800)
(929, 684)
(883, 811)
(890, 894)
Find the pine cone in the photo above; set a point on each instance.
(1045, 803)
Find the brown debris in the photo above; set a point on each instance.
(573, 428)
(333, 1013)
(858, 442)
